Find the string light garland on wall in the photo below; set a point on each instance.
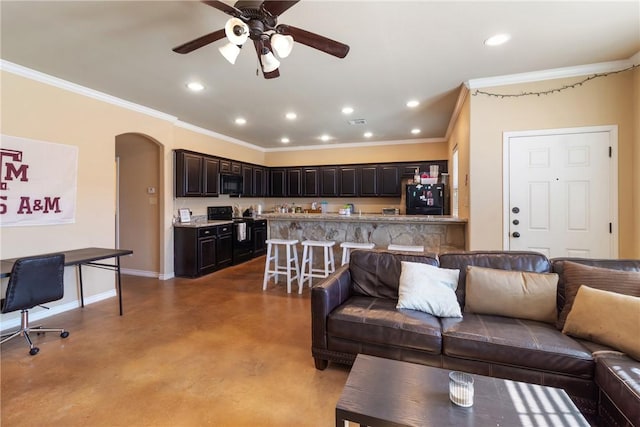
(550, 91)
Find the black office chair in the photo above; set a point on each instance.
(34, 281)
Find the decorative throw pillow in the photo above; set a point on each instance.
(607, 318)
(428, 288)
(605, 279)
(509, 293)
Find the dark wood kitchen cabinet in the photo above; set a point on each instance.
(188, 174)
(196, 175)
(388, 181)
(224, 246)
(329, 181)
(310, 182)
(368, 181)
(347, 181)
(247, 181)
(201, 250)
(294, 182)
(259, 181)
(278, 182)
(259, 237)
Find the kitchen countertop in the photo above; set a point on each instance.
(421, 219)
(199, 224)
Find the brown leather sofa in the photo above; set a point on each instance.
(354, 311)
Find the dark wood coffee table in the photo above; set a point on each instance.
(383, 392)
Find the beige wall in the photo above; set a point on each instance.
(36, 110)
(138, 211)
(348, 155)
(460, 138)
(602, 101)
(636, 163)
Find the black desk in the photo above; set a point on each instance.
(85, 256)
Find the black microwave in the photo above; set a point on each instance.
(230, 184)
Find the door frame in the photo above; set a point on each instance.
(612, 130)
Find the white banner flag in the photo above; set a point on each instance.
(38, 182)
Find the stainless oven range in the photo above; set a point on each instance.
(242, 232)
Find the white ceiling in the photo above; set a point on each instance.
(400, 50)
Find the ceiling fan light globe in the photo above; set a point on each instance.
(230, 51)
(269, 62)
(237, 32)
(282, 45)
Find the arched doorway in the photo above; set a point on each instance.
(139, 203)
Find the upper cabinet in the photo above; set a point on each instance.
(196, 175)
(278, 182)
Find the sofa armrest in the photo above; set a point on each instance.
(325, 297)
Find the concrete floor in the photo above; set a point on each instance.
(212, 351)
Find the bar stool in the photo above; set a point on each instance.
(285, 270)
(347, 246)
(405, 248)
(307, 261)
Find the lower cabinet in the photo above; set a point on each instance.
(200, 251)
(259, 237)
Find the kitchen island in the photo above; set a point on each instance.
(436, 233)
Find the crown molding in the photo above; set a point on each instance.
(212, 134)
(81, 90)
(355, 145)
(556, 73)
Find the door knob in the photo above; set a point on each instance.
(516, 234)
(515, 209)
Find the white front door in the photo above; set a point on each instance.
(561, 192)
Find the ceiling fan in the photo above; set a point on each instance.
(258, 21)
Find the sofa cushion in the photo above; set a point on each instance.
(606, 317)
(377, 321)
(576, 275)
(515, 342)
(557, 266)
(513, 260)
(520, 294)
(428, 288)
(619, 378)
(377, 273)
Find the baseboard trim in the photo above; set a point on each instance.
(43, 313)
(141, 273)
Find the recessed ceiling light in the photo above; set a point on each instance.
(368, 134)
(497, 40)
(241, 121)
(413, 103)
(195, 86)
(291, 115)
(415, 131)
(325, 137)
(285, 140)
(347, 110)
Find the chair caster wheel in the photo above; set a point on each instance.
(34, 351)
(64, 334)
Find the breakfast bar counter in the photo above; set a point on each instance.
(436, 233)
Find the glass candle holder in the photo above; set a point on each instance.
(461, 388)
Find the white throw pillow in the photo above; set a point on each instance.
(430, 289)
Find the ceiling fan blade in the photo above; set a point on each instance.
(199, 42)
(278, 7)
(229, 10)
(272, 74)
(315, 41)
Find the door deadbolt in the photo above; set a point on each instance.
(516, 222)
(516, 234)
(515, 209)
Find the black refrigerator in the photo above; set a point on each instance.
(426, 199)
